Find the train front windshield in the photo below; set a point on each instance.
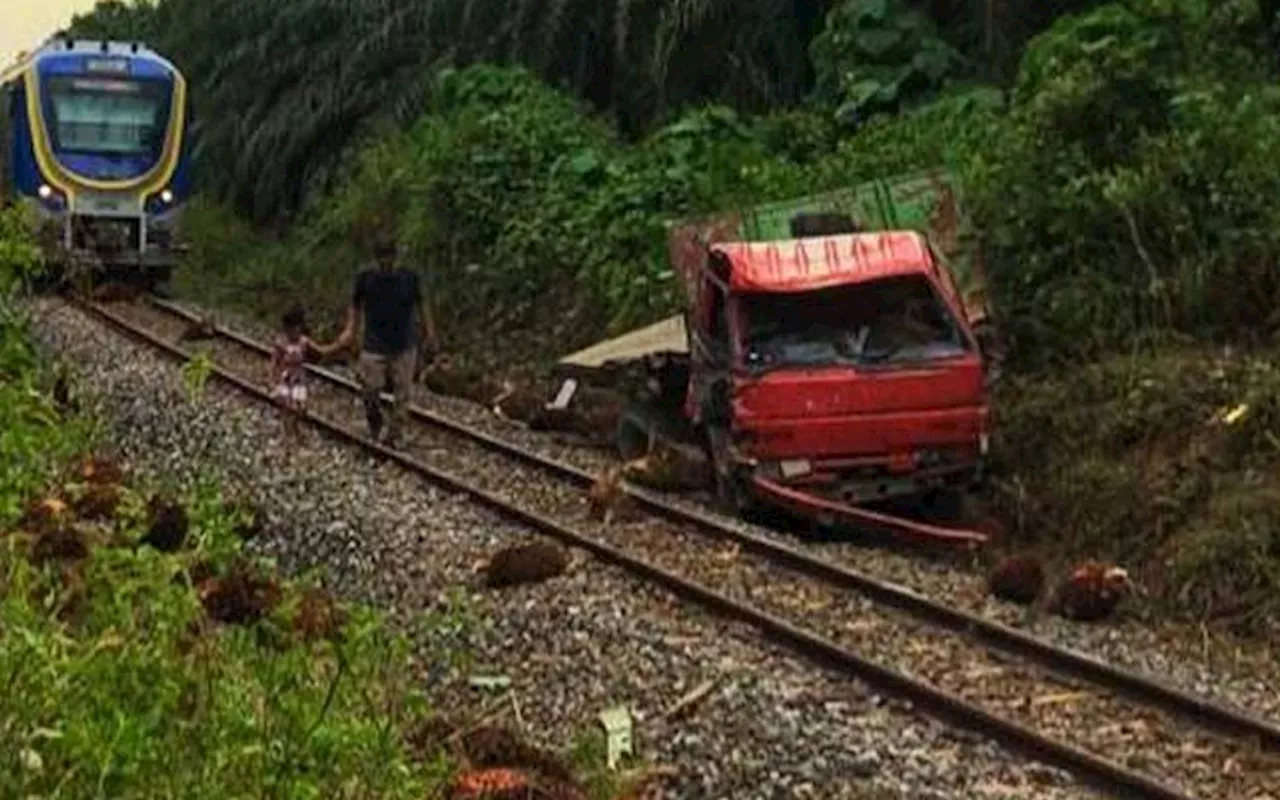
(112, 116)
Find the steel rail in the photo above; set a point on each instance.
(901, 526)
(1142, 688)
(1089, 767)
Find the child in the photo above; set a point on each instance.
(288, 356)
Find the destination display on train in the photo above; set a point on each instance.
(105, 85)
(115, 66)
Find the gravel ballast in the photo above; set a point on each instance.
(773, 726)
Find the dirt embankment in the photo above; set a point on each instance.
(1167, 462)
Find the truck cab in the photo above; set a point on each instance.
(841, 367)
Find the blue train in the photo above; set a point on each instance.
(95, 141)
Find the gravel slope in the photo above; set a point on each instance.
(773, 727)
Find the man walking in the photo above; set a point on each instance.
(384, 299)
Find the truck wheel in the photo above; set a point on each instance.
(947, 506)
(632, 436)
(732, 495)
(734, 499)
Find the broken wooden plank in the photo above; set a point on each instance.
(564, 396)
(665, 336)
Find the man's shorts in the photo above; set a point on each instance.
(387, 372)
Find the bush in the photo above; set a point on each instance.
(20, 257)
(878, 55)
(1145, 225)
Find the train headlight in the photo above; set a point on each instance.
(45, 191)
(166, 197)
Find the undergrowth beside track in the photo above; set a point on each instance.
(1166, 460)
(117, 681)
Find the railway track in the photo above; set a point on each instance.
(1120, 731)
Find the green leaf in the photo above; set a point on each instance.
(863, 91)
(585, 163)
(877, 42)
(877, 10)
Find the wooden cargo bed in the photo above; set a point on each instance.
(666, 336)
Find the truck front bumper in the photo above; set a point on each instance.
(831, 513)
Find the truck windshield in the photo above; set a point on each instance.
(888, 321)
(110, 116)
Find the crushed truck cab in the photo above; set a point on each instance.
(817, 366)
(840, 366)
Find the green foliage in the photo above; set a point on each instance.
(529, 212)
(952, 131)
(1119, 198)
(877, 55)
(195, 374)
(231, 264)
(107, 693)
(705, 160)
(115, 707)
(801, 136)
(20, 257)
(282, 90)
(1111, 65)
(525, 210)
(33, 440)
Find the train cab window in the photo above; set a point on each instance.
(117, 116)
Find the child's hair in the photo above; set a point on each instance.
(294, 318)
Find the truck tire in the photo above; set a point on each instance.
(633, 435)
(947, 506)
(733, 497)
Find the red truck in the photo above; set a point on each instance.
(818, 373)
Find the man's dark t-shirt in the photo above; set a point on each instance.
(387, 298)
